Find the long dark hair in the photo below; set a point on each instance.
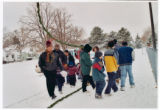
(96, 47)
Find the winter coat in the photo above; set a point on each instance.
(61, 55)
(116, 52)
(110, 60)
(98, 70)
(49, 66)
(72, 70)
(69, 59)
(86, 63)
(125, 55)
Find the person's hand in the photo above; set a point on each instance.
(65, 66)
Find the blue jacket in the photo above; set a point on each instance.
(125, 55)
(98, 70)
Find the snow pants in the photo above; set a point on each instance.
(100, 86)
(111, 83)
(87, 78)
(67, 78)
(72, 80)
(60, 81)
(124, 70)
(50, 81)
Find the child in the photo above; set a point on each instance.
(112, 67)
(60, 81)
(98, 75)
(72, 74)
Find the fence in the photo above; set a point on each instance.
(152, 55)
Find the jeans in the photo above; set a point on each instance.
(111, 83)
(87, 78)
(124, 70)
(100, 86)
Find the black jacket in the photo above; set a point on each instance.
(70, 59)
(49, 66)
(61, 55)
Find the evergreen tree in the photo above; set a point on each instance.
(138, 42)
(124, 35)
(97, 36)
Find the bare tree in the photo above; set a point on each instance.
(20, 39)
(56, 21)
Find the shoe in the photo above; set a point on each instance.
(108, 94)
(132, 86)
(116, 90)
(98, 96)
(86, 91)
(122, 88)
(60, 92)
(54, 96)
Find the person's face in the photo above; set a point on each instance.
(66, 53)
(100, 57)
(57, 47)
(50, 48)
(94, 50)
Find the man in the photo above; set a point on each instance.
(48, 62)
(116, 48)
(86, 64)
(126, 57)
(60, 53)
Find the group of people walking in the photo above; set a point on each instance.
(116, 61)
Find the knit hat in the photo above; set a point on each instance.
(48, 43)
(87, 48)
(98, 54)
(111, 44)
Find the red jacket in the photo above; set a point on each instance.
(72, 70)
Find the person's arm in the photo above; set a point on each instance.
(98, 67)
(87, 60)
(59, 63)
(133, 55)
(41, 63)
(116, 55)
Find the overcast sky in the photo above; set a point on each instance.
(109, 16)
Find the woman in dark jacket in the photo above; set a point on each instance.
(48, 62)
(68, 58)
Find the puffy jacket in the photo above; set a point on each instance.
(110, 60)
(86, 63)
(98, 70)
(72, 70)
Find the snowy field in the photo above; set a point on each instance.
(24, 88)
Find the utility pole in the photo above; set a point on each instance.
(152, 26)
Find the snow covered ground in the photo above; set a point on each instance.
(24, 88)
(144, 95)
